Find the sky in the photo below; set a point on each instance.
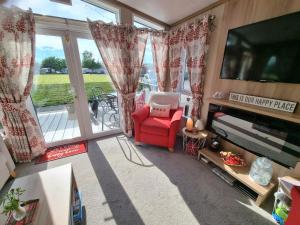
(52, 46)
(80, 10)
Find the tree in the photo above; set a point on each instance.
(54, 63)
(88, 61)
(62, 64)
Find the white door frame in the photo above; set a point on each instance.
(82, 96)
(63, 34)
(72, 56)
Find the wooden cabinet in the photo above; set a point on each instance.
(241, 174)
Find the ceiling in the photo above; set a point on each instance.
(168, 11)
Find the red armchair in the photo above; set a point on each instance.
(156, 130)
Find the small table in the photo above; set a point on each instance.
(196, 140)
(55, 189)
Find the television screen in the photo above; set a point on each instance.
(267, 51)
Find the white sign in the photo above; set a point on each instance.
(270, 103)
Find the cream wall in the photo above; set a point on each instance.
(232, 14)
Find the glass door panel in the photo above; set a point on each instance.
(101, 96)
(52, 93)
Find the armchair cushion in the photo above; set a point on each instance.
(165, 98)
(156, 125)
(157, 110)
(177, 115)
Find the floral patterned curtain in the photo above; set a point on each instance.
(176, 44)
(122, 49)
(160, 50)
(17, 41)
(196, 39)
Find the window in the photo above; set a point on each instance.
(79, 10)
(185, 82)
(148, 79)
(142, 23)
(52, 93)
(185, 88)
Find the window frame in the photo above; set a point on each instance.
(182, 73)
(100, 4)
(147, 23)
(58, 19)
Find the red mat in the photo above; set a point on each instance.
(62, 151)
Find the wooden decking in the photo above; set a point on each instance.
(58, 125)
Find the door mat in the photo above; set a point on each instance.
(62, 151)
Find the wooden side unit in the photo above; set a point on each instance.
(295, 118)
(241, 174)
(278, 170)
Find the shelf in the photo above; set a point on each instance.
(291, 117)
(239, 173)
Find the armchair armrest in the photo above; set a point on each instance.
(177, 116)
(141, 114)
(138, 117)
(175, 122)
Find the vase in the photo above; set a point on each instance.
(199, 125)
(261, 171)
(189, 124)
(19, 213)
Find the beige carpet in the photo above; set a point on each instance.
(124, 184)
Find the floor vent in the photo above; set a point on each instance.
(224, 176)
(229, 179)
(245, 190)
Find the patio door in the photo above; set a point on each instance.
(99, 100)
(72, 94)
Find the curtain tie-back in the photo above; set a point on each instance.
(129, 96)
(126, 98)
(196, 100)
(13, 107)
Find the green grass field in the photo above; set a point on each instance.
(54, 89)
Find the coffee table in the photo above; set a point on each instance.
(54, 188)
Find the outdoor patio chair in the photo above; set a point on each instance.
(108, 104)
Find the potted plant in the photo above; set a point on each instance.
(11, 203)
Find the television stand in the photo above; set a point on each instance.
(239, 173)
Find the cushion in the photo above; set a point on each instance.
(140, 100)
(165, 98)
(294, 215)
(157, 110)
(156, 125)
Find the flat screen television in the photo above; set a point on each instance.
(267, 51)
(262, 135)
